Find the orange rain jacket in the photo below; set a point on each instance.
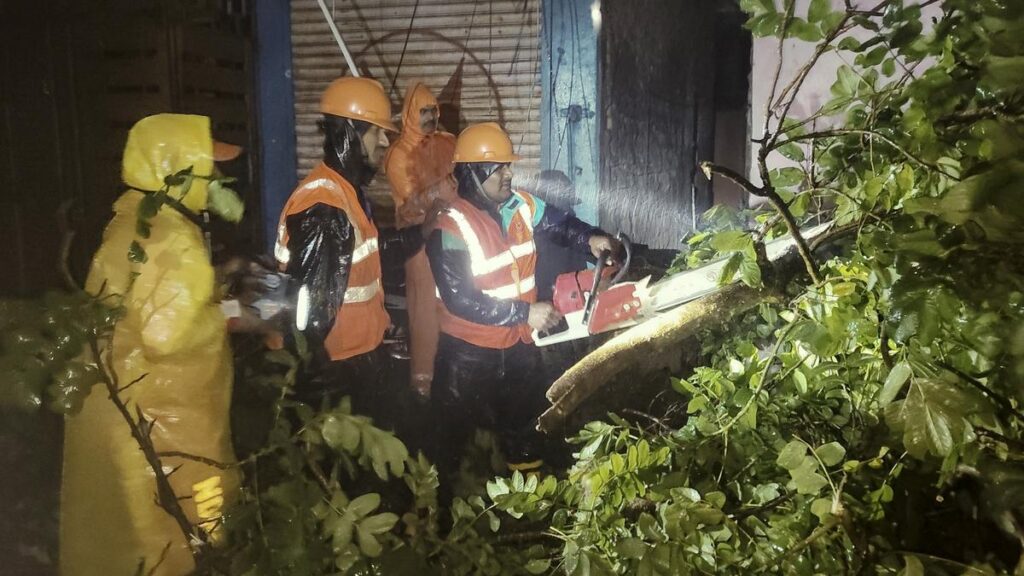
(419, 169)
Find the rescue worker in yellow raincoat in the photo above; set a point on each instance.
(173, 339)
(419, 169)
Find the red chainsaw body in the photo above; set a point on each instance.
(612, 307)
(571, 290)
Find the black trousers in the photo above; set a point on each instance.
(501, 390)
(361, 377)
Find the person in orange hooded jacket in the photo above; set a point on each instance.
(419, 169)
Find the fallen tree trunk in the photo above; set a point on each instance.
(631, 350)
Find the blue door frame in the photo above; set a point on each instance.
(570, 136)
(275, 105)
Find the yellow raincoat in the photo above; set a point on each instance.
(175, 334)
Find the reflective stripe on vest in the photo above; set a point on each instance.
(512, 291)
(363, 251)
(357, 294)
(281, 252)
(481, 264)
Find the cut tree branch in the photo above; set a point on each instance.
(1002, 402)
(200, 459)
(635, 347)
(140, 429)
(626, 350)
(766, 191)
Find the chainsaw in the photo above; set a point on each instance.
(594, 301)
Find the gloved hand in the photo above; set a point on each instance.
(543, 316)
(600, 243)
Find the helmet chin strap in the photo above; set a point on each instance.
(479, 185)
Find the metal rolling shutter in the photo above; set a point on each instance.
(497, 42)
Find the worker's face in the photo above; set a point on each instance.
(428, 119)
(375, 143)
(498, 187)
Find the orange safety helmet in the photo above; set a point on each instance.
(486, 142)
(359, 99)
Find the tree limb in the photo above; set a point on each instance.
(710, 168)
(768, 192)
(200, 459)
(140, 430)
(1002, 402)
(626, 350)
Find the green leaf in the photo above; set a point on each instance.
(716, 499)
(368, 544)
(750, 273)
(822, 508)
(889, 66)
(137, 254)
(804, 30)
(538, 565)
(831, 22)
(849, 43)
(873, 57)
(729, 271)
(932, 418)
(364, 504)
(793, 152)
(1004, 73)
(493, 522)
(786, 177)
(913, 567)
(343, 531)
(224, 202)
(846, 82)
(907, 327)
(806, 479)
(341, 433)
(632, 548)
(731, 241)
(379, 523)
(818, 10)
(792, 455)
(898, 376)
(831, 453)
(765, 25)
(758, 7)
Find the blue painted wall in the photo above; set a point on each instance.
(275, 110)
(569, 97)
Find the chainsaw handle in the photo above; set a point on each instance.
(627, 246)
(601, 259)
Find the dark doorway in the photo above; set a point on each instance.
(76, 76)
(673, 81)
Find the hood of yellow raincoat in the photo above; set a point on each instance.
(165, 144)
(416, 99)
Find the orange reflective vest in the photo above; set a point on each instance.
(502, 266)
(362, 320)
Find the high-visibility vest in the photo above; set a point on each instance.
(502, 266)
(361, 321)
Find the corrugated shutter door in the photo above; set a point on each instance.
(497, 43)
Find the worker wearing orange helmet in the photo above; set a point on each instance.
(328, 243)
(483, 256)
(419, 169)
